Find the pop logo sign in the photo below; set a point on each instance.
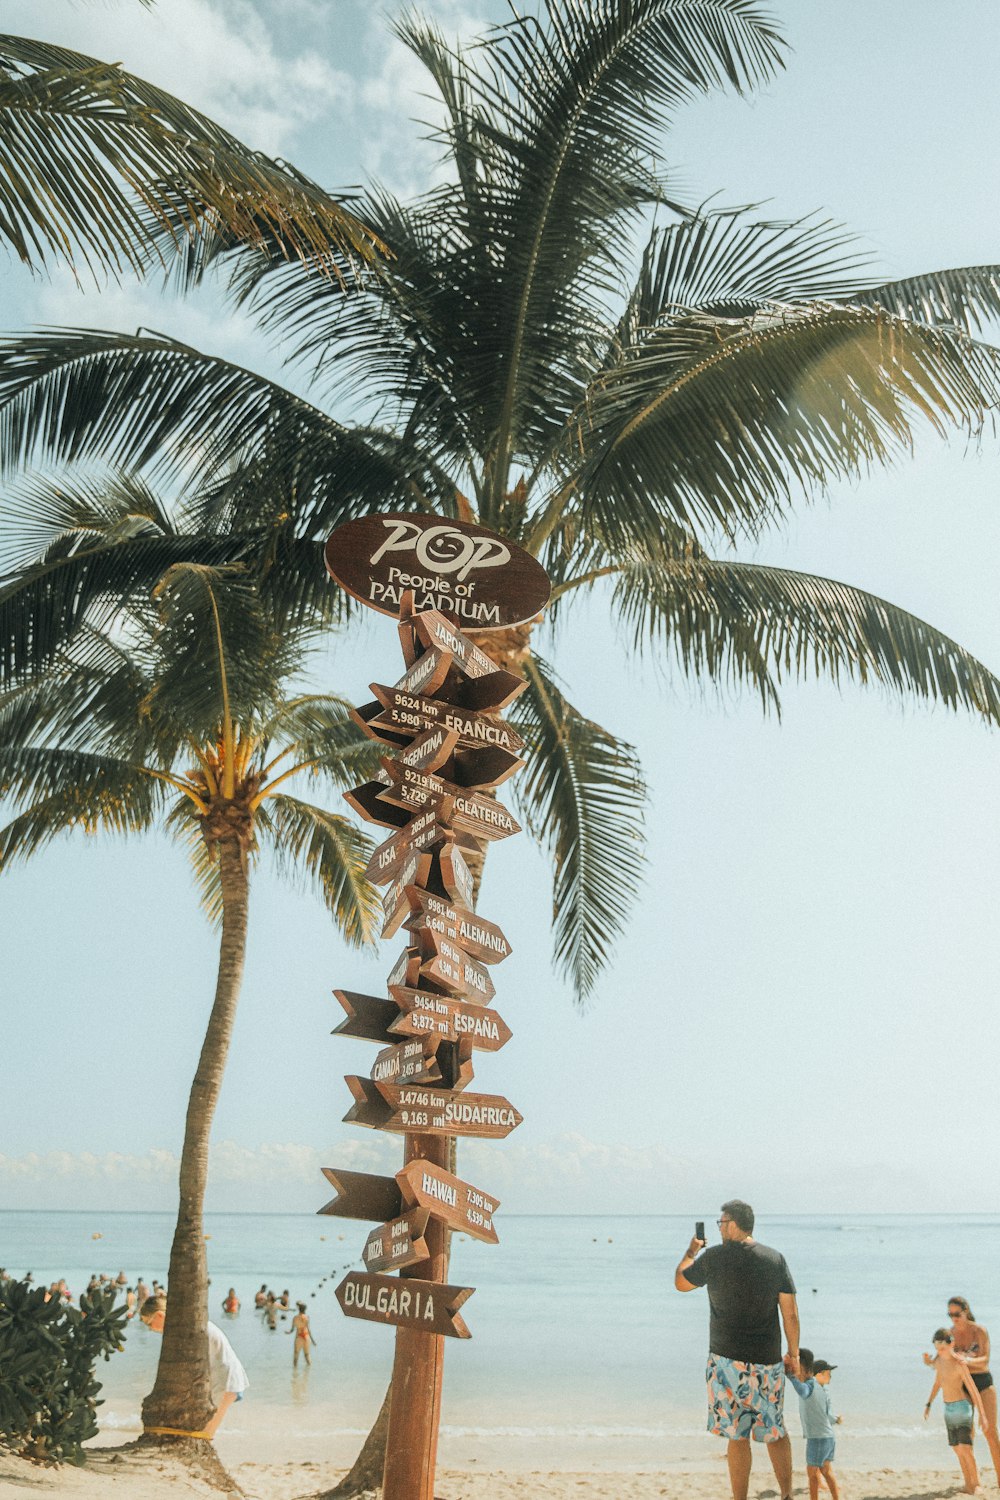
(482, 578)
(442, 549)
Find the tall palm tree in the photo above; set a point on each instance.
(95, 164)
(188, 717)
(556, 349)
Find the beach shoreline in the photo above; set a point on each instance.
(130, 1472)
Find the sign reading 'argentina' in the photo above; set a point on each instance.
(475, 574)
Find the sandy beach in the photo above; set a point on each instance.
(132, 1473)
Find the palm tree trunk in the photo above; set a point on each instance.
(180, 1396)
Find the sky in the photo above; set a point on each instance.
(802, 1009)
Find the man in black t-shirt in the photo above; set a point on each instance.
(750, 1295)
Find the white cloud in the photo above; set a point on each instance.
(221, 59)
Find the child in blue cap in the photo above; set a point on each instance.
(817, 1422)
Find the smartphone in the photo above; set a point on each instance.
(699, 1230)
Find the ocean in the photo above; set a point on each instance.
(582, 1353)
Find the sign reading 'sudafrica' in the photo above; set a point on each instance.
(410, 1109)
(483, 579)
(428, 1305)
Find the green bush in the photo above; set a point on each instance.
(48, 1350)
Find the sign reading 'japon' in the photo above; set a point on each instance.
(480, 577)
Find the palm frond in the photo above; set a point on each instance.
(966, 297)
(730, 264)
(92, 157)
(69, 790)
(184, 823)
(310, 842)
(44, 605)
(582, 797)
(716, 422)
(318, 730)
(798, 626)
(578, 100)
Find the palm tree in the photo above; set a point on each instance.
(187, 718)
(96, 164)
(623, 426)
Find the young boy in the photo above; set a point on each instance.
(954, 1381)
(817, 1422)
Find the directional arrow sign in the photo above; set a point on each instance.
(456, 877)
(362, 1195)
(428, 1306)
(483, 768)
(434, 629)
(461, 1206)
(452, 1020)
(453, 969)
(406, 968)
(409, 713)
(407, 1062)
(477, 936)
(368, 1018)
(396, 901)
(398, 1243)
(391, 856)
(425, 1111)
(430, 750)
(483, 817)
(427, 673)
(368, 801)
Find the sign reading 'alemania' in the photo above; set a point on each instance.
(482, 578)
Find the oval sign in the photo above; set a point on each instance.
(477, 575)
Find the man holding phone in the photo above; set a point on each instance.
(750, 1295)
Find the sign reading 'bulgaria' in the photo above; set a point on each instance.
(480, 577)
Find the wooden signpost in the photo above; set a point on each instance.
(449, 749)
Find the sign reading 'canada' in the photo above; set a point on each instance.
(484, 580)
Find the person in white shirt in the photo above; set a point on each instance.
(227, 1377)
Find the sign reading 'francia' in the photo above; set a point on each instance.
(482, 578)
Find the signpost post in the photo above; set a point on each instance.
(449, 745)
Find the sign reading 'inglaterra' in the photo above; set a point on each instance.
(484, 580)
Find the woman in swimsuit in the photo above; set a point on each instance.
(303, 1337)
(972, 1342)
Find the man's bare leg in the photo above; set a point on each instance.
(967, 1463)
(739, 1458)
(780, 1454)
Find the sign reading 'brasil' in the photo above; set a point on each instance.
(482, 578)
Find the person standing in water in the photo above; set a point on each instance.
(303, 1335)
(972, 1343)
(953, 1379)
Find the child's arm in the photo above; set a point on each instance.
(930, 1399)
(804, 1388)
(977, 1401)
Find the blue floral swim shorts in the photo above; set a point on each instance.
(745, 1400)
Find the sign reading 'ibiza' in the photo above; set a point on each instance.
(478, 576)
